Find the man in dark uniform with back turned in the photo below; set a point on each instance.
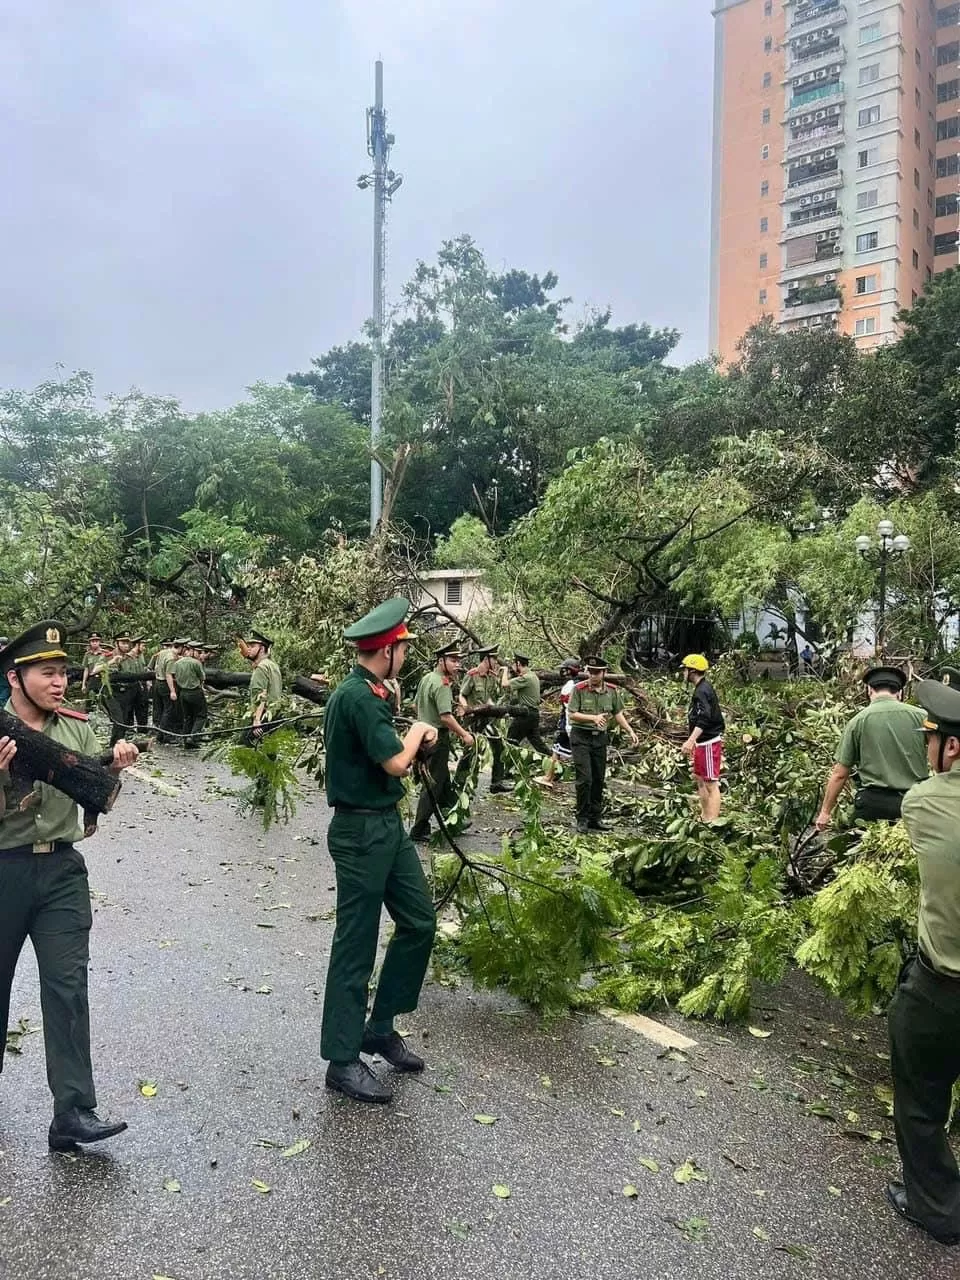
(882, 746)
(924, 1016)
(44, 893)
(376, 863)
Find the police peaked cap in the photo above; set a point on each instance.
(941, 702)
(386, 624)
(489, 651)
(125, 637)
(94, 635)
(950, 676)
(259, 638)
(884, 678)
(451, 650)
(40, 643)
(180, 641)
(571, 664)
(596, 664)
(522, 659)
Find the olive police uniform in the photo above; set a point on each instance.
(122, 699)
(588, 744)
(434, 699)
(187, 675)
(141, 696)
(924, 1016)
(266, 682)
(45, 896)
(162, 661)
(89, 662)
(171, 720)
(882, 744)
(376, 862)
(477, 690)
(523, 698)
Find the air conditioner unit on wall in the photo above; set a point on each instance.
(834, 234)
(830, 277)
(838, 248)
(829, 153)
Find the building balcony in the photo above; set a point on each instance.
(807, 186)
(825, 14)
(814, 100)
(815, 300)
(816, 56)
(827, 134)
(824, 222)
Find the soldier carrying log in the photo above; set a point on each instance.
(44, 894)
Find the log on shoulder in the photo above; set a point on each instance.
(40, 759)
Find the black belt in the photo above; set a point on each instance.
(928, 964)
(352, 808)
(42, 846)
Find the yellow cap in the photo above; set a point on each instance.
(695, 662)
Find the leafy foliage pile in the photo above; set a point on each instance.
(689, 916)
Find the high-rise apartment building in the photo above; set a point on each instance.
(836, 162)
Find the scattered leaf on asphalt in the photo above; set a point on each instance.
(689, 1171)
(760, 1033)
(652, 1165)
(675, 1055)
(607, 1062)
(546, 1082)
(637, 1126)
(693, 1228)
(835, 1191)
(796, 1251)
(298, 1148)
(158, 1277)
(171, 1184)
(262, 1187)
(734, 1161)
(148, 1088)
(761, 1234)
(485, 1119)
(266, 1142)
(501, 1192)
(5, 1201)
(615, 1111)
(884, 1094)
(460, 1230)
(630, 1191)
(820, 1109)
(265, 924)
(851, 1117)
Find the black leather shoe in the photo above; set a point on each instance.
(356, 1080)
(393, 1049)
(79, 1125)
(499, 788)
(419, 834)
(597, 826)
(897, 1195)
(582, 828)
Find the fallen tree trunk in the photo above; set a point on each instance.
(40, 759)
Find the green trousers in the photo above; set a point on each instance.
(438, 766)
(45, 897)
(924, 1025)
(589, 752)
(377, 866)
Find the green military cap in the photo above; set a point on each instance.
(125, 637)
(386, 624)
(39, 643)
(941, 702)
(950, 676)
(488, 651)
(451, 650)
(885, 678)
(260, 638)
(166, 640)
(596, 664)
(94, 635)
(522, 659)
(193, 644)
(180, 641)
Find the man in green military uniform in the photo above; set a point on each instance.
(882, 746)
(140, 705)
(185, 684)
(376, 863)
(481, 688)
(44, 893)
(434, 704)
(90, 683)
(120, 704)
(593, 704)
(266, 682)
(924, 1016)
(522, 687)
(166, 714)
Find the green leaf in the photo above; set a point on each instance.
(761, 1234)
(481, 1119)
(760, 1033)
(263, 1187)
(501, 1191)
(835, 1191)
(689, 1171)
(298, 1148)
(630, 1191)
(796, 1251)
(171, 1184)
(650, 1164)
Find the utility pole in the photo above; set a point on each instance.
(385, 183)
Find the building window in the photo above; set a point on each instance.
(948, 206)
(916, 138)
(763, 296)
(867, 199)
(930, 160)
(866, 284)
(916, 98)
(868, 157)
(867, 241)
(948, 54)
(916, 260)
(764, 188)
(453, 591)
(946, 243)
(764, 152)
(949, 128)
(929, 238)
(767, 8)
(870, 33)
(768, 45)
(764, 226)
(763, 262)
(767, 79)
(947, 166)
(916, 178)
(870, 73)
(913, 298)
(929, 274)
(929, 198)
(916, 219)
(948, 90)
(868, 115)
(866, 324)
(948, 17)
(765, 117)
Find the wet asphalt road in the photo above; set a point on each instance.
(209, 951)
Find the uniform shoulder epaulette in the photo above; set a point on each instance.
(474, 671)
(71, 714)
(444, 680)
(378, 690)
(584, 684)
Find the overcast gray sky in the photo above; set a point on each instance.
(178, 208)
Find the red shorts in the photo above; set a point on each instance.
(708, 760)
